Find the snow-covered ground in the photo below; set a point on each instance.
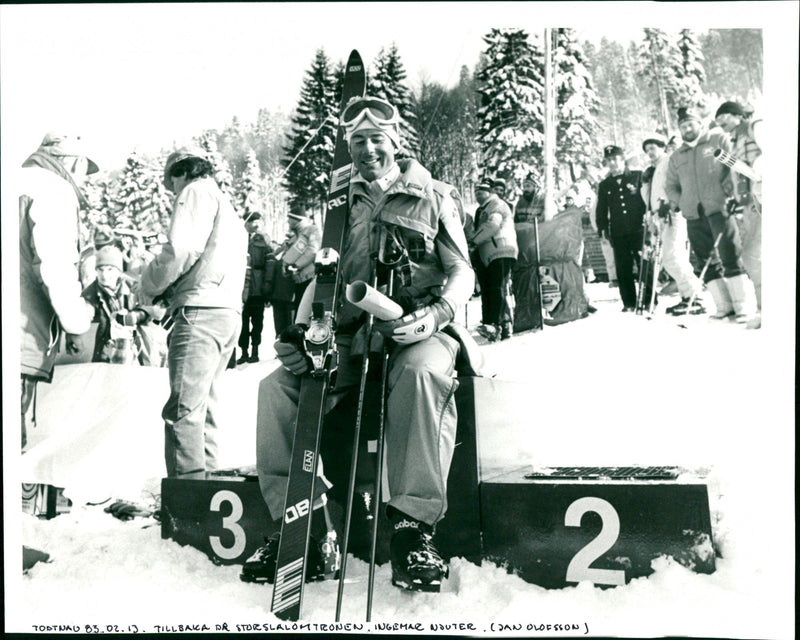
(611, 389)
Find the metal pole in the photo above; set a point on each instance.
(549, 126)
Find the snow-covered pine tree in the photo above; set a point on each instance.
(140, 200)
(510, 130)
(388, 81)
(448, 148)
(691, 74)
(249, 189)
(577, 105)
(222, 174)
(660, 63)
(309, 149)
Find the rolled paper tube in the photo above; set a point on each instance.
(372, 301)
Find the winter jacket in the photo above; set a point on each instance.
(50, 290)
(258, 254)
(655, 188)
(745, 148)
(421, 211)
(527, 208)
(106, 304)
(204, 262)
(302, 250)
(495, 235)
(696, 182)
(620, 208)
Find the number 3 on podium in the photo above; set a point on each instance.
(231, 523)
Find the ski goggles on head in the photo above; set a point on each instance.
(378, 111)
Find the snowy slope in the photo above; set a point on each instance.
(611, 389)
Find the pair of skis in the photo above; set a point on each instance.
(287, 596)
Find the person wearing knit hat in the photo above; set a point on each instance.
(399, 214)
(299, 253)
(700, 186)
(737, 121)
(108, 256)
(110, 295)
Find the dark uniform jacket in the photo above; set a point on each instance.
(620, 208)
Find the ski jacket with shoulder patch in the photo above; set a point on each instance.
(696, 182)
(495, 235)
(424, 215)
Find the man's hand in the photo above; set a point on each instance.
(419, 325)
(291, 351)
(132, 318)
(74, 344)
(734, 207)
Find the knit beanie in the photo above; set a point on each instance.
(685, 114)
(734, 108)
(656, 139)
(108, 256)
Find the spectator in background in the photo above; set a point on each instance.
(200, 275)
(255, 292)
(49, 187)
(301, 252)
(495, 238)
(699, 185)
(674, 239)
(530, 205)
(620, 212)
(500, 187)
(108, 295)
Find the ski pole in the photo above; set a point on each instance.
(354, 456)
(379, 470)
(643, 264)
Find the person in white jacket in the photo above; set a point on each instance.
(50, 198)
(674, 239)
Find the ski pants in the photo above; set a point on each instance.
(420, 426)
(200, 345)
(496, 290)
(252, 323)
(750, 230)
(675, 257)
(726, 260)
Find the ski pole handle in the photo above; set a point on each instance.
(372, 301)
(737, 165)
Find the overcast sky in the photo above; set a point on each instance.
(128, 76)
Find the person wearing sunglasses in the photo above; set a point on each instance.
(402, 216)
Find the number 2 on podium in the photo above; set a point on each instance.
(578, 568)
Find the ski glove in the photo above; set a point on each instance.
(419, 325)
(74, 344)
(734, 207)
(291, 351)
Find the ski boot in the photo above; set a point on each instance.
(254, 355)
(324, 559)
(243, 359)
(416, 563)
(489, 331)
(683, 308)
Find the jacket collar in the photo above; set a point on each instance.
(414, 180)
